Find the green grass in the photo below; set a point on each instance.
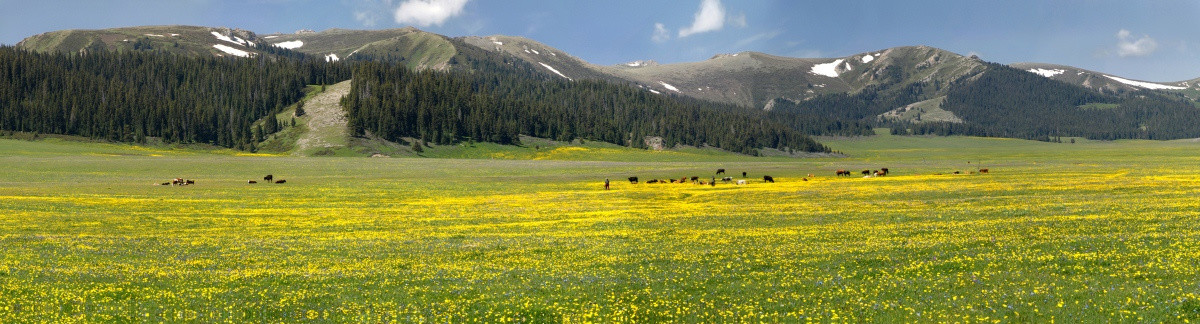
(1088, 232)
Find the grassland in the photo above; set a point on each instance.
(1085, 232)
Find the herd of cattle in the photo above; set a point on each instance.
(768, 179)
(185, 182)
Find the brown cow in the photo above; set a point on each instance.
(885, 171)
(983, 170)
(843, 173)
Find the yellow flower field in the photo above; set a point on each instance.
(1095, 234)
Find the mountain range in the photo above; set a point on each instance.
(902, 87)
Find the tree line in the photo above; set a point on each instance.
(490, 103)
(1007, 102)
(132, 95)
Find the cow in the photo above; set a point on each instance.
(166, 183)
(269, 177)
(741, 182)
(843, 173)
(768, 178)
(726, 179)
(805, 179)
(190, 182)
(879, 173)
(810, 175)
(251, 182)
(652, 181)
(866, 172)
(633, 180)
(672, 180)
(885, 171)
(683, 179)
(743, 174)
(695, 179)
(720, 171)
(280, 181)
(983, 170)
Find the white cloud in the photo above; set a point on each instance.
(427, 13)
(367, 18)
(661, 34)
(711, 17)
(1127, 46)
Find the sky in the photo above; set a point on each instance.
(1153, 40)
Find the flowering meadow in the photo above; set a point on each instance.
(1088, 232)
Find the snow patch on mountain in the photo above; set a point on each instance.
(331, 57)
(868, 59)
(290, 45)
(1047, 72)
(1147, 85)
(232, 51)
(535, 52)
(239, 41)
(668, 86)
(551, 68)
(655, 91)
(154, 35)
(827, 69)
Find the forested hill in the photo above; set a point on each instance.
(1007, 102)
(132, 95)
(394, 102)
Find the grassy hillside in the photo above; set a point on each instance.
(1095, 231)
(186, 40)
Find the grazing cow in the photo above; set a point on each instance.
(269, 177)
(743, 174)
(866, 172)
(252, 182)
(957, 172)
(652, 181)
(720, 171)
(695, 179)
(280, 181)
(885, 171)
(166, 183)
(633, 180)
(879, 173)
(672, 180)
(843, 173)
(683, 179)
(805, 179)
(983, 170)
(191, 182)
(726, 179)
(768, 178)
(741, 182)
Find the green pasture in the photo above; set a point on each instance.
(1085, 232)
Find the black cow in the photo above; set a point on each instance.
(720, 171)
(866, 172)
(191, 182)
(652, 181)
(695, 179)
(768, 178)
(280, 181)
(843, 173)
(726, 179)
(269, 177)
(251, 182)
(633, 180)
(743, 174)
(885, 171)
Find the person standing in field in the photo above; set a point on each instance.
(605, 183)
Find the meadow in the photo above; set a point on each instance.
(1084, 232)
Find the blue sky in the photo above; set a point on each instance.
(1155, 40)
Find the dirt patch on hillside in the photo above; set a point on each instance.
(327, 121)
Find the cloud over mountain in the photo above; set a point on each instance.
(1127, 46)
(711, 17)
(427, 13)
